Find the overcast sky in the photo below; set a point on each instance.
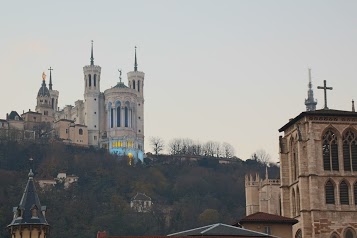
(227, 71)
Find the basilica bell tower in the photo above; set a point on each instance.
(92, 100)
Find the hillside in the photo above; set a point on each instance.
(185, 193)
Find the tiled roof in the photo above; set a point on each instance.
(219, 230)
(267, 218)
(322, 112)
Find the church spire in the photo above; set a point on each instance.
(310, 102)
(50, 84)
(353, 105)
(29, 216)
(91, 55)
(136, 62)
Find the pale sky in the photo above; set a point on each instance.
(227, 71)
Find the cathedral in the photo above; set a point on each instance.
(318, 173)
(113, 119)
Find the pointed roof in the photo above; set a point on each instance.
(141, 196)
(24, 212)
(219, 230)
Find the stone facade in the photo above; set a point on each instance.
(318, 159)
(261, 195)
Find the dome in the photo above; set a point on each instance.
(120, 85)
(43, 90)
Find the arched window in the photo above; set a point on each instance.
(329, 193)
(133, 84)
(344, 193)
(53, 103)
(297, 201)
(349, 151)
(118, 115)
(126, 117)
(80, 131)
(330, 151)
(349, 233)
(95, 80)
(138, 86)
(293, 202)
(111, 117)
(89, 80)
(334, 235)
(298, 234)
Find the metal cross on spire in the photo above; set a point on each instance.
(325, 94)
(50, 84)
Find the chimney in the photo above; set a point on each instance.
(101, 234)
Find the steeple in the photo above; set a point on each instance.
(29, 216)
(50, 84)
(136, 62)
(310, 102)
(91, 56)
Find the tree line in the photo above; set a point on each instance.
(186, 146)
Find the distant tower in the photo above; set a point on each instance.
(310, 102)
(136, 82)
(252, 186)
(44, 102)
(92, 100)
(53, 93)
(29, 219)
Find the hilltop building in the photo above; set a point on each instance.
(113, 119)
(29, 218)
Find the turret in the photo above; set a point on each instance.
(310, 102)
(29, 219)
(92, 100)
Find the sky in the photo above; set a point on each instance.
(226, 71)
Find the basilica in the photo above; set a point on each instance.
(113, 119)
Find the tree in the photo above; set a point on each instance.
(261, 156)
(228, 150)
(157, 144)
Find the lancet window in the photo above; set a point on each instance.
(138, 86)
(111, 117)
(95, 80)
(344, 198)
(293, 202)
(133, 84)
(330, 151)
(349, 151)
(126, 115)
(329, 193)
(89, 80)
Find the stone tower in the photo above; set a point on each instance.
(92, 100)
(262, 195)
(53, 94)
(318, 171)
(136, 82)
(44, 102)
(310, 102)
(29, 218)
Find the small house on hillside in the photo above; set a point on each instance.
(141, 203)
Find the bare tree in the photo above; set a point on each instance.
(157, 144)
(228, 150)
(262, 156)
(175, 146)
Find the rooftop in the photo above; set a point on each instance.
(267, 218)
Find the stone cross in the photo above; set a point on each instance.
(325, 94)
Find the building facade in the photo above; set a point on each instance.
(318, 159)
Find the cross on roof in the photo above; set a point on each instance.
(325, 94)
